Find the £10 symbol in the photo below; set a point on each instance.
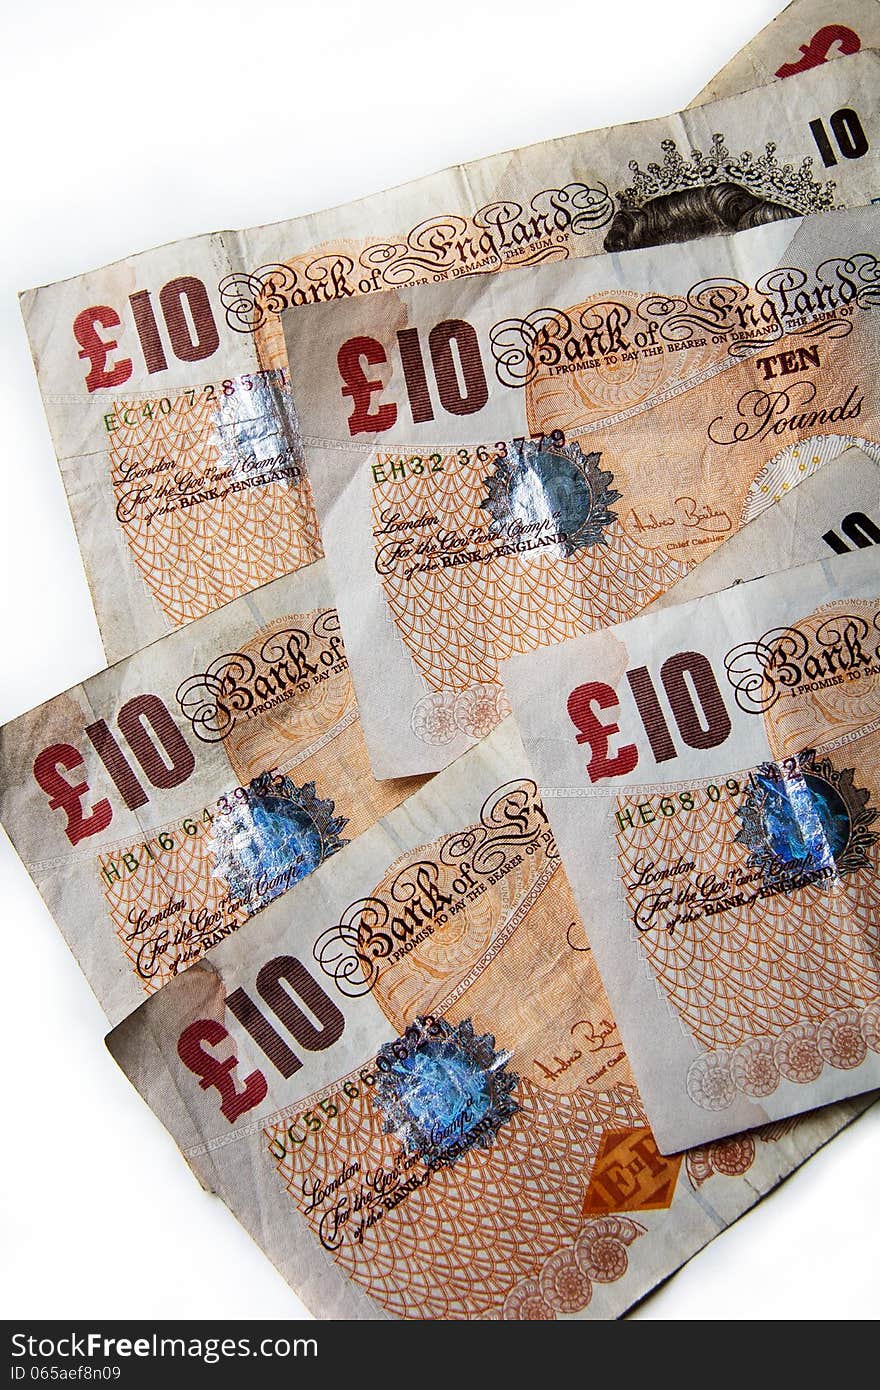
(456, 367)
(188, 319)
(284, 984)
(692, 693)
(164, 755)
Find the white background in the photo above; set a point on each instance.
(124, 125)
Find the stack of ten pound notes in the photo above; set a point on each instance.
(474, 841)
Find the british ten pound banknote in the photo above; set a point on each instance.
(163, 802)
(538, 1193)
(711, 774)
(406, 1081)
(503, 463)
(165, 377)
(805, 35)
(513, 1172)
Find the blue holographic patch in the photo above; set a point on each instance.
(273, 837)
(566, 491)
(804, 820)
(805, 815)
(443, 1089)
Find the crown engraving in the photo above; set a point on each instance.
(794, 186)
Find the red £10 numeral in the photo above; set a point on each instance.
(693, 695)
(68, 796)
(364, 419)
(597, 734)
(189, 322)
(217, 1072)
(164, 755)
(457, 364)
(96, 350)
(280, 982)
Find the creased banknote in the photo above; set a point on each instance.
(503, 463)
(410, 1088)
(805, 35)
(163, 802)
(165, 378)
(711, 773)
(832, 512)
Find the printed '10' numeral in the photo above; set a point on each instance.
(457, 366)
(849, 136)
(164, 755)
(188, 319)
(695, 700)
(279, 983)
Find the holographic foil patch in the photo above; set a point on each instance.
(257, 432)
(273, 836)
(443, 1089)
(533, 486)
(803, 815)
